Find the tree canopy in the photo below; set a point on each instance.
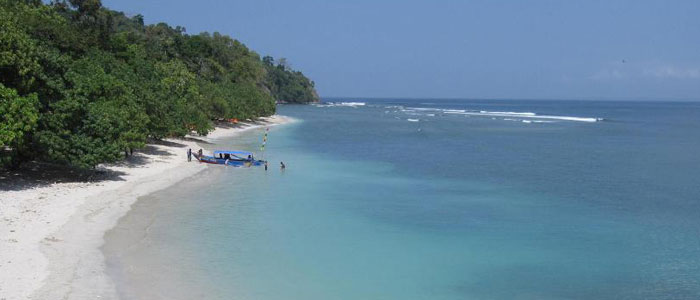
(288, 85)
(81, 84)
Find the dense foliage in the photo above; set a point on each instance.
(288, 85)
(81, 84)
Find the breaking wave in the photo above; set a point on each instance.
(507, 115)
(333, 104)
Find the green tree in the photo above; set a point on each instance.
(18, 59)
(18, 119)
(180, 90)
(287, 85)
(82, 84)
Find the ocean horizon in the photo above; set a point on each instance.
(432, 199)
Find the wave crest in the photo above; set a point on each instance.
(507, 115)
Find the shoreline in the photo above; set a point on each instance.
(52, 233)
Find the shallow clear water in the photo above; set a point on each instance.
(466, 200)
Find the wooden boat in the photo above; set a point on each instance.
(230, 158)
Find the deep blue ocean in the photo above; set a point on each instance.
(435, 199)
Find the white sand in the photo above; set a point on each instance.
(221, 132)
(50, 236)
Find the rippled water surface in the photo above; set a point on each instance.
(433, 199)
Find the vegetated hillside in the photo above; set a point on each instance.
(287, 85)
(81, 84)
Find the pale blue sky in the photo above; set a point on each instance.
(463, 49)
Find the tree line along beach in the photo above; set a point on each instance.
(96, 109)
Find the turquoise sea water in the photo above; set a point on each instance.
(434, 199)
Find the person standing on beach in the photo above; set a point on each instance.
(265, 165)
(189, 154)
(282, 166)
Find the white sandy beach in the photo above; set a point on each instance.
(50, 234)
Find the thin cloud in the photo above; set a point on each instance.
(648, 70)
(672, 72)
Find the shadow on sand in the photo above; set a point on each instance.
(229, 125)
(37, 173)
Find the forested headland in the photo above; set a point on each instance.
(81, 84)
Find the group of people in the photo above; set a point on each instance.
(250, 157)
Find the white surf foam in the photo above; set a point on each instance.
(353, 104)
(528, 115)
(348, 104)
(507, 115)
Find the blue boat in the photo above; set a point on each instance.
(230, 158)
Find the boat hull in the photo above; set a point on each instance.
(228, 162)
